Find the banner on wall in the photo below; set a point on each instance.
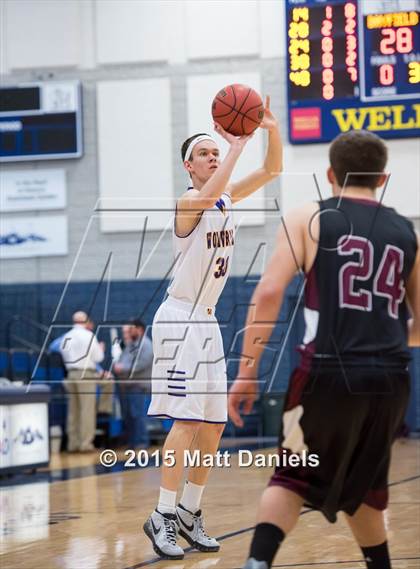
(29, 433)
(5, 438)
(41, 236)
(32, 190)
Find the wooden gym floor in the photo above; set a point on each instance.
(77, 515)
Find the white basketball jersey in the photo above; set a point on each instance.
(204, 257)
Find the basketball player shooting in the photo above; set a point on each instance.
(189, 383)
(348, 397)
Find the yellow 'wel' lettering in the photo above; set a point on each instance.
(350, 118)
(391, 117)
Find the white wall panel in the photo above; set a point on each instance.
(403, 190)
(87, 34)
(134, 143)
(222, 28)
(178, 32)
(201, 90)
(297, 181)
(3, 39)
(133, 30)
(272, 28)
(300, 162)
(42, 33)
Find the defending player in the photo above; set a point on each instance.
(348, 397)
(189, 374)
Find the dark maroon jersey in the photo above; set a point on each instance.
(355, 291)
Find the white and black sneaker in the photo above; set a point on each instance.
(162, 530)
(192, 530)
(254, 564)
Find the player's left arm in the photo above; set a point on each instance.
(287, 260)
(273, 163)
(413, 297)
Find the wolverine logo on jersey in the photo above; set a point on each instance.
(220, 238)
(221, 205)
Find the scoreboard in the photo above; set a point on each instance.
(41, 121)
(351, 67)
(391, 66)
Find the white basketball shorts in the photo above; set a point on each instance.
(189, 379)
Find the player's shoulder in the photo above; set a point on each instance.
(188, 194)
(303, 213)
(300, 222)
(187, 200)
(404, 222)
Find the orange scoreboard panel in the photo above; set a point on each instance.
(349, 67)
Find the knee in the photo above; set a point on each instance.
(215, 428)
(186, 428)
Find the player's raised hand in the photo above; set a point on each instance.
(269, 121)
(242, 396)
(231, 138)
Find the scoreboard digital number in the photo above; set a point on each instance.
(349, 68)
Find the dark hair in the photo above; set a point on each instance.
(136, 322)
(186, 144)
(357, 158)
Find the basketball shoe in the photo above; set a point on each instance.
(191, 528)
(254, 564)
(162, 531)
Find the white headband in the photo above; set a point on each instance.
(196, 141)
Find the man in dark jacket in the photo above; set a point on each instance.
(133, 370)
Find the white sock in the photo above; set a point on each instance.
(191, 496)
(167, 501)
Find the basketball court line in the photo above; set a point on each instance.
(311, 564)
(404, 480)
(323, 563)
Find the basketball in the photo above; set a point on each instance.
(238, 109)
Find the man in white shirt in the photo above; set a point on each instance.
(81, 351)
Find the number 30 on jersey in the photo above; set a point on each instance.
(222, 265)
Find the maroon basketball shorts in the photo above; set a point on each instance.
(349, 417)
